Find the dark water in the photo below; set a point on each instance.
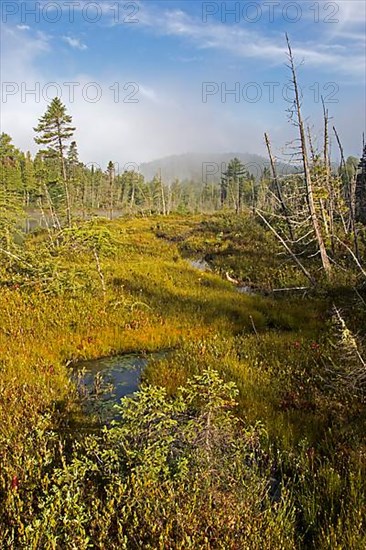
(102, 383)
(122, 372)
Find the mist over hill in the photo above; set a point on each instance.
(205, 167)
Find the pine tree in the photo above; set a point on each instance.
(55, 131)
(232, 183)
(72, 159)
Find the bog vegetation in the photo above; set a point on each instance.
(249, 431)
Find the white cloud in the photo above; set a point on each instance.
(169, 117)
(148, 93)
(351, 12)
(246, 42)
(23, 27)
(164, 121)
(20, 51)
(75, 43)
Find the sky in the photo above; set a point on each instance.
(150, 78)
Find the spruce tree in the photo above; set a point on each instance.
(55, 130)
(72, 159)
(232, 182)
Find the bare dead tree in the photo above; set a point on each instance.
(305, 161)
(163, 202)
(278, 187)
(328, 179)
(318, 177)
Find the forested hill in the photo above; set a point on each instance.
(195, 166)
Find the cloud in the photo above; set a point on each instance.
(75, 43)
(164, 121)
(351, 12)
(249, 43)
(170, 117)
(20, 52)
(23, 27)
(148, 93)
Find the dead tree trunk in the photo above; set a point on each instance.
(308, 182)
(278, 187)
(328, 179)
(163, 204)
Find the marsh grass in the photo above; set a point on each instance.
(278, 352)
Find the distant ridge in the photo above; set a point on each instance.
(205, 167)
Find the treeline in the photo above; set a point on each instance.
(57, 183)
(316, 210)
(38, 183)
(60, 186)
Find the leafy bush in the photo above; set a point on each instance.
(173, 473)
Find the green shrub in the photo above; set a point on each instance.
(173, 473)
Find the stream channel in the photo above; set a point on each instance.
(121, 374)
